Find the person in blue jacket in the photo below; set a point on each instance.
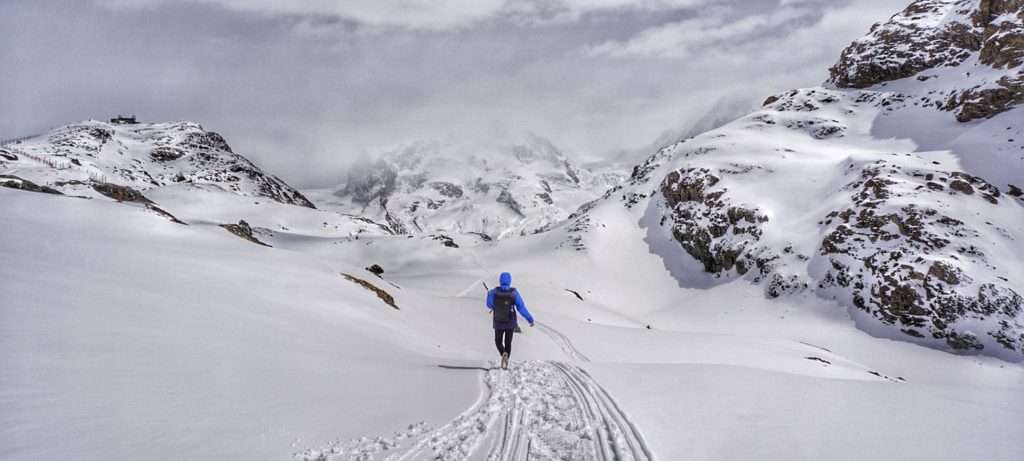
(503, 302)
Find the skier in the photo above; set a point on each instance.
(503, 301)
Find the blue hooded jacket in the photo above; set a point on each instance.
(505, 282)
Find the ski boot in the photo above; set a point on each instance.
(504, 361)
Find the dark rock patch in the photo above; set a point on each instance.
(243, 230)
(383, 295)
(506, 198)
(709, 227)
(445, 240)
(166, 154)
(120, 193)
(14, 182)
(375, 269)
(818, 359)
(163, 213)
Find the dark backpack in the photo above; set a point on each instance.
(504, 304)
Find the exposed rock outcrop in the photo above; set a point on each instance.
(383, 295)
(720, 234)
(121, 193)
(15, 182)
(897, 256)
(243, 230)
(936, 34)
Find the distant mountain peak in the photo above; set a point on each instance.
(498, 190)
(75, 157)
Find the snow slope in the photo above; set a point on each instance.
(878, 198)
(128, 336)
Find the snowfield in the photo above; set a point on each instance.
(156, 340)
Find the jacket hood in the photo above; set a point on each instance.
(505, 279)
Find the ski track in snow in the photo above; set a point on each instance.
(563, 343)
(536, 410)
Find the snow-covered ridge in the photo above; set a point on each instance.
(456, 188)
(76, 157)
(868, 197)
(975, 46)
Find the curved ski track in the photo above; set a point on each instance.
(563, 343)
(536, 410)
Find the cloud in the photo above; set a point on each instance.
(431, 14)
(302, 92)
(715, 27)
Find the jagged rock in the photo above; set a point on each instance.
(166, 154)
(719, 234)
(904, 263)
(375, 269)
(933, 34)
(904, 46)
(976, 104)
(206, 141)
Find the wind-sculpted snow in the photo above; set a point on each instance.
(77, 158)
(534, 411)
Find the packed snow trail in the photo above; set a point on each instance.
(536, 410)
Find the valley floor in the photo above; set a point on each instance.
(126, 336)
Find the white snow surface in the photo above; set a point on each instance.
(128, 336)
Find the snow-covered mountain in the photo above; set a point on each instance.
(895, 189)
(461, 188)
(75, 159)
(972, 48)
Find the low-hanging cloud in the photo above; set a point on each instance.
(304, 87)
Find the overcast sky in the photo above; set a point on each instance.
(302, 87)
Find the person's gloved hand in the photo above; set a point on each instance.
(531, 324)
